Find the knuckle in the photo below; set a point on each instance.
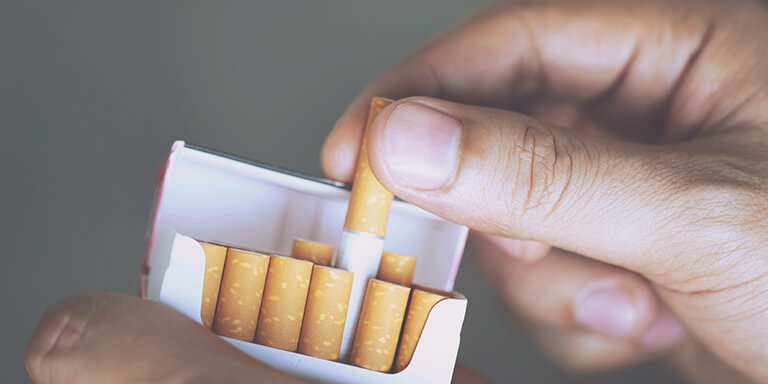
(61, 328)
(544, 171)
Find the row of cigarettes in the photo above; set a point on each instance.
(299, 303)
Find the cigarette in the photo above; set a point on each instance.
(242, 286)
(362, 239)
(214, 264)
(325, 313)
(369, 201)
(418, 310)
(396, 268)
(379, 328)
(315, 252)
(285, 296)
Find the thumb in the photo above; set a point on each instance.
(508, 174)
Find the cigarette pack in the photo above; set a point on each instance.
(208, 196)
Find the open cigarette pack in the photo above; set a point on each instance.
(206, 198)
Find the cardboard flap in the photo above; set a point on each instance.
(222, 199)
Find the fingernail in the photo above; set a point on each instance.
(664, 332)
(421, 146)
(607, 311)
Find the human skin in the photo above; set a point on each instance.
(633, 168)
(612, 158)
(112, 338)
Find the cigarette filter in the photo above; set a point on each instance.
(315, 252)
(369, 201)
(326, 312)
(362, 239)
(240, 298)
(418, 310)
(379, 327)
(285, 295)
(396, 268)
(214, 264)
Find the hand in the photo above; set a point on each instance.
(639, 150)
(110, 338)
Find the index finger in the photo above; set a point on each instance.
(628, 55)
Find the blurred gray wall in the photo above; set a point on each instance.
(92, 95)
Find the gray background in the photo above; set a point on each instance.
(93, 94)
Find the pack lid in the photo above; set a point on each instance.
(211, 196)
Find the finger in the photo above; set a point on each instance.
(507, 174)
(110, 338)
(463, 374)
(525, 250)
(569, 291)
(586, 315)
(585, 352)
(581, 351)
(628, 56)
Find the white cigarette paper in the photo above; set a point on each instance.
(362, 240)
(359, 253)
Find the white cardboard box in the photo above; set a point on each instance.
(209, 196)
